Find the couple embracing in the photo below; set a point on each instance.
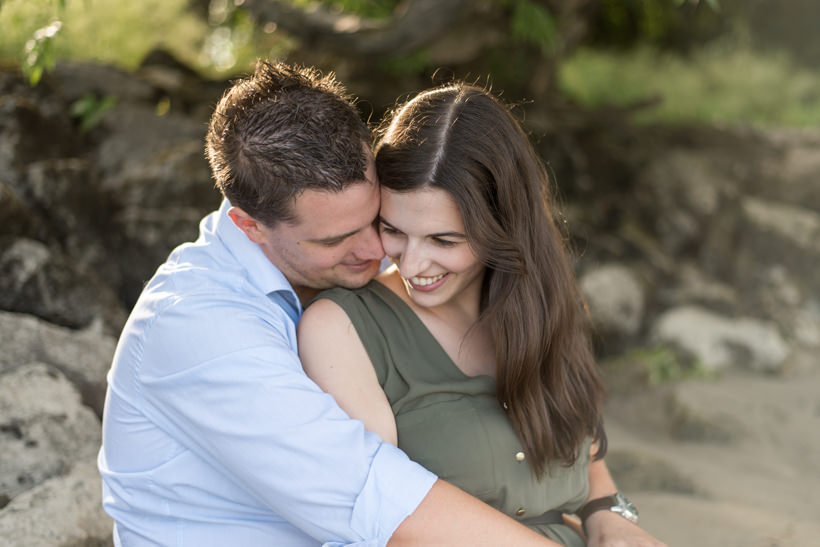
(274, 385)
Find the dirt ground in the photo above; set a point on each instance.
(731, 461)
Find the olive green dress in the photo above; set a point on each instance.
(451, 423)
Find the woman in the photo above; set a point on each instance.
(470, 352)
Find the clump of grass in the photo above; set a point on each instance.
(111, 31)
(724, 82)
(122, 33)
(657, 365)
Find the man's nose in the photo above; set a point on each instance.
(369, 245)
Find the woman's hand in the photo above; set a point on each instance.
(608, 529)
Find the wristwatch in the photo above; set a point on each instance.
(617, 503)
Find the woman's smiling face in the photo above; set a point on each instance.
(423, 234)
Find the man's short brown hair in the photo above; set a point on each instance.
(281, 131)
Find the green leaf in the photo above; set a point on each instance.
(533, 24)
(89, 109)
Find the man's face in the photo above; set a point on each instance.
(332, 242)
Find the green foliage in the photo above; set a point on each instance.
(39, 52)
(365, 8)
(677, 24)
(531, 23)
(413, 63)
(714, 4)
(661, 364)
(110, 31)
(724, 82)
(89, 110)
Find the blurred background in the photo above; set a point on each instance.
(682, 139)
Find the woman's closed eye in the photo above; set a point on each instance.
(444, 242)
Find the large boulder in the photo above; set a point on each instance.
(83, 357)
(44, 428)
(40, 280)
(615, 297)
(64, 511)
(718, 342)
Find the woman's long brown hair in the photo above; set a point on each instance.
(463, 140)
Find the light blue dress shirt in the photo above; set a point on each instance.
(212, 433)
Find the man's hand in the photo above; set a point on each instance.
(608, 529)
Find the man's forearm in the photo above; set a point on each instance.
(449, 516)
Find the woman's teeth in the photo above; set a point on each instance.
(424, 281)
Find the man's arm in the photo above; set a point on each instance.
(237, 397)
(449, 516)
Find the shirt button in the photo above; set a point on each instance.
(520, 457)
(520, 512)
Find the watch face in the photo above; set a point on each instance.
(625, 508)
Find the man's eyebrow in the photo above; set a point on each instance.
(334, 239)
(441, 234)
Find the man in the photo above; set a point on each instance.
(212, 434)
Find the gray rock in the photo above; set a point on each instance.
(32, 129)
(795, 176)
(135, 135)
(84, 357)
(67, 193)
(62, 511)
(695, 287)
(717, 341)
(683, 189)
(78, 79)
(16, 217)
(158, 183)
(798, 226)
(161, 200)
(616, 299)
(39, 280)
(44, 427)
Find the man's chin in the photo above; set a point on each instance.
(358, 277)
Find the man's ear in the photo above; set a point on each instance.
(245, 222)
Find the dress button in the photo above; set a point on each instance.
(520, 457)
(520, 512)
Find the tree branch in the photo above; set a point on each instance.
(413, 25)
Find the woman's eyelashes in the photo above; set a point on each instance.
(441, 242)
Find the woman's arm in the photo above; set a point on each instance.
(334, 357)
(605, 528)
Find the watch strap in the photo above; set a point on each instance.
(598, 504)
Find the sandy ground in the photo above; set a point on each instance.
(732, 461)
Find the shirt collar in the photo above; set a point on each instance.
(261, 271)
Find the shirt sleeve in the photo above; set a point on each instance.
(239, 399)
